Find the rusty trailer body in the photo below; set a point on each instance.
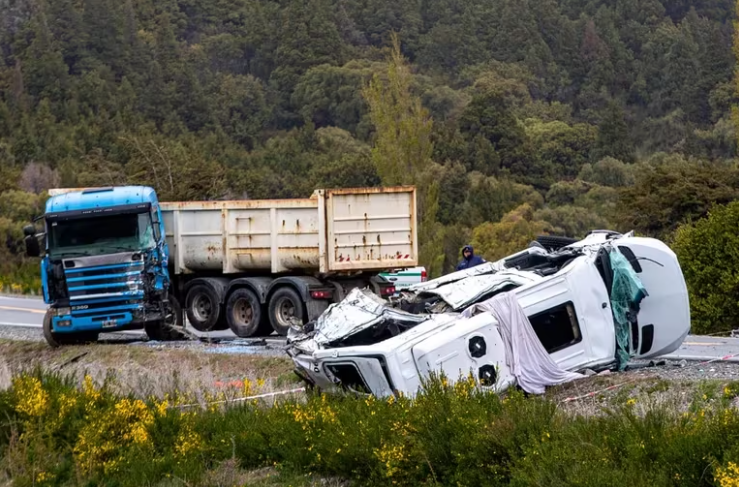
(334, 231)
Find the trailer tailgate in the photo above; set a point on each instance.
(370, 228)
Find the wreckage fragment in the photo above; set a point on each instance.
(461, 294)
(359, 312)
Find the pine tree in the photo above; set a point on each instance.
(403, 147)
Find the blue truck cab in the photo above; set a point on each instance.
(105, 265)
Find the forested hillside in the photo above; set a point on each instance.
(545, 116)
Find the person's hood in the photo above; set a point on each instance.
(472, 251)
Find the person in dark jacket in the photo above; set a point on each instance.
(469, 258)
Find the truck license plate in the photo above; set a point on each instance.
(109, 323)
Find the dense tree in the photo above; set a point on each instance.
(672, 193)
(708, 258)
(590, 112)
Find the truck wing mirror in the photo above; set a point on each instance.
(33, 249)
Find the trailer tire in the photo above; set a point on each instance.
(284, 305)
(61, 339)
(163, 331)
(554, 242)
(244, 314)
(203, 307)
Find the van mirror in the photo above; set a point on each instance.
(29, 230)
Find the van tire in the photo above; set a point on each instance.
(203, 307)
(554, 242)
(245, 314)
(283, 304)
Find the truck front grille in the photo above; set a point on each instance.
(106, 287)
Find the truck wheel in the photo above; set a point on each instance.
(285, 308)
(203, 308)
(163, 331)
(244, 314)
(57, 339)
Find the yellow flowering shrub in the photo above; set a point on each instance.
(31, 398)
(108, 432)
(452, 433)
(188, 440)
(727, 475)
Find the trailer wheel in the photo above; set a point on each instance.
(61, 339)
(286, 308)
(244, 314)
(203, 307)
(164, 331)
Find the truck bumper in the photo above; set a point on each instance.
(124, 320)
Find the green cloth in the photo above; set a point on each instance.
(627, 293)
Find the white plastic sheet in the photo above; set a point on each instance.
(526, 357)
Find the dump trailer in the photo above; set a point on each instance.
(117, 258)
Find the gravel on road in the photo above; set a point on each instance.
(271, 346)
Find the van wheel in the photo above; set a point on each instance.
(245, 316)
(203, 307)
(285, 309)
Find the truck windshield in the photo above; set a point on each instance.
(100, 235)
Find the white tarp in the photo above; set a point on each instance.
(526, 357)
(461, 294)
(361, 309)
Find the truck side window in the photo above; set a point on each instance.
(155, 224)
(557, 328)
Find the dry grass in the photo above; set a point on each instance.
(645, 392)
(5, 376)
(145, 371)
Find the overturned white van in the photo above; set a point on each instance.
(535, 318)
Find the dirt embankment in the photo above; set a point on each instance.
(148, 371)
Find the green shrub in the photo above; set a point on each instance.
(708, 251)
(451, 434)
(20, 276)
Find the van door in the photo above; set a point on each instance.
(553, 310)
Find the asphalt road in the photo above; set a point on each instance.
(29, 313)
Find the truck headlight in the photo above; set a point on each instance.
(63, 311)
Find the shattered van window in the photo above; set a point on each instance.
(558, 327)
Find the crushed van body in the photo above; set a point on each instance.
(535, 319)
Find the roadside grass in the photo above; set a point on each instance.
(55, 431)
(143, 371)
